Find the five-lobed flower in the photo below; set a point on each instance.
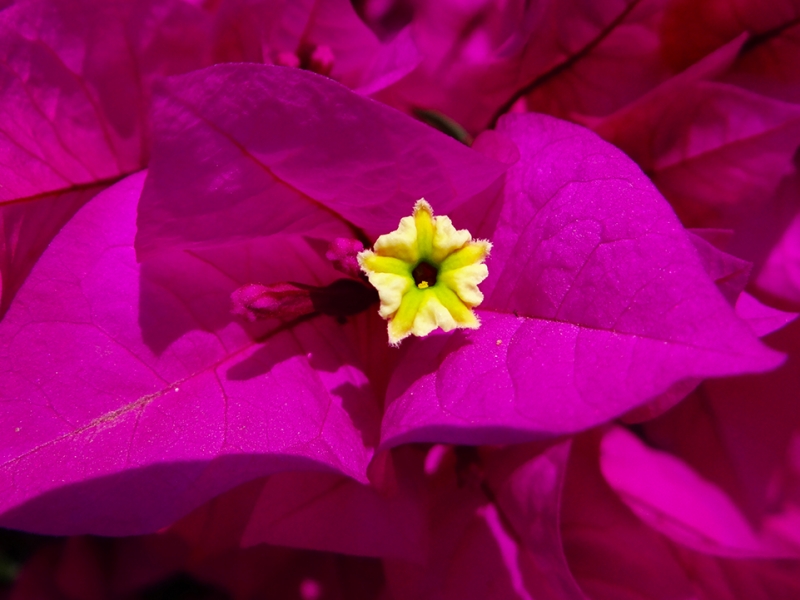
(427, 274)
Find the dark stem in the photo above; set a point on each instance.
(561, 67)
(765, 36)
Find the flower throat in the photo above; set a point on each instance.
(424, 275)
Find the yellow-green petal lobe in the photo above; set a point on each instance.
(447, 239)
(401, 243)
(470, 254)
(432, 314)
(422, 312)
(369, 261)
(464, 282)
(460, 312)
(424, 222)
(402, 324)
(391, 290)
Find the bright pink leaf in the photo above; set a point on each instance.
(676, 501)
(76, 85)
(112, 426)
(485, 510)
(329, 512)
(324, 36)
(153, 351)
(614, 555)
(236, 160)
(742, 435)
(761, 318)
(596, 303)
(530, 500)
(714, 150)
(479, 58)
(779, 276)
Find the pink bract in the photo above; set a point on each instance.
(596, 299)
(77, 87)
(613, 554)
(324, 36)
(76, 84)
(736, 456)
(712, 149)
(561, 58)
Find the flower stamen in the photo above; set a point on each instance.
(424, 275)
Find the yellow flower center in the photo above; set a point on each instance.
(427, 274)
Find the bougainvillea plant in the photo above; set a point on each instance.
(399, 299)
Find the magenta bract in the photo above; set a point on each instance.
(596, 302)
(601, 533)
(76, 83)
